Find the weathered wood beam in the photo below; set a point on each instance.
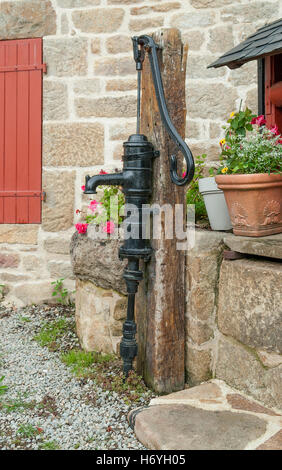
(161, 296)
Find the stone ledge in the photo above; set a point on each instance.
(270, 247)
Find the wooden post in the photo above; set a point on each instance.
(161, 296)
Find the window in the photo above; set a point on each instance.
(20, 131)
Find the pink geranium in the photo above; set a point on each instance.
(81, 228)
(183, 174)
(93, 205)
(109, 227)
(102, 172)
(83, 187)
(259, 120)
(275, 130)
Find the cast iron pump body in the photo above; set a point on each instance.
(136, 183)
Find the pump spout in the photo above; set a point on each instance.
(91, 183)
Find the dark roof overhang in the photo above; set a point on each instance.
(265, 41)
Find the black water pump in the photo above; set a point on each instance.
(136, 183)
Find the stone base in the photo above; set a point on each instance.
(99, 317)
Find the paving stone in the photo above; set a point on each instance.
(194, 429)
(209, 391)
(270, 246)
(274, 443)
(238, 402)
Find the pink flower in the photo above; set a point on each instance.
(109, 227)
(274, 130)
(102, 172)
(183, 174)
(83, 187)
(81, 228)
(93, 205)
(259, 120)
(227, 147)
(77, 211)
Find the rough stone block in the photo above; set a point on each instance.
(198, 332)
(274, 443)
(57, 245)
(33, 292)
(211, 3)
(141, 24)
(159, 8)
(201, 303)
(111, 66)
(250, 13)
(99, 20)
(197, 67)
(96, 45)
(33, 264)
(269, 247)
(60, 269)
(66, 57)
(73, 144)
(220, 39)
(27, 19)
(106, 107)
(9, 260)
(194, 39)
(192, 19)
(19, 234)
(97, 261)
(58, 209)
(121, 131)
(77, 3)
(55, 101)
(220, 98)
(119, 43)
(97, 328)
(198, 365)
(249, 304)
(240, 368)
(120, 84)
(87, 86)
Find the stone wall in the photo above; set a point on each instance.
(89, 104)
(234, 315)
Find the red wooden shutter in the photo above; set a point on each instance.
(20, 131)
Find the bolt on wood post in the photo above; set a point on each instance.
(160, 306)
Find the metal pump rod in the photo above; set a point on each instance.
(136, 183)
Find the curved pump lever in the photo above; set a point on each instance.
(149, 44)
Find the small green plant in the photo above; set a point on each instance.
(18, 404)
(50, 332)
(49, 445)
(27, 430)
(81, 361)
(3, 388)
(24, 319)
(193, 196)
(2, 291)
(60, 292)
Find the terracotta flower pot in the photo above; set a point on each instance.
(254, 203)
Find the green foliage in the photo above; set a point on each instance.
(50, 332)
(27, 430)
(240, 123)
(3, 388)
(111, 207)
(80, 361)
(250, 148)
(18, 405)
(193, 195)
(60, 292)
(49, 445)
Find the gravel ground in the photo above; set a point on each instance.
(48, 407)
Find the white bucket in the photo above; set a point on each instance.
(215, 204)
